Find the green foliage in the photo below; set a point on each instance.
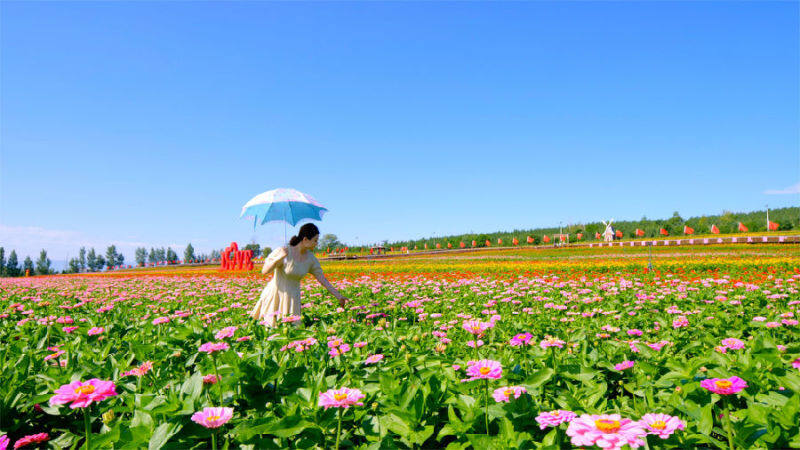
(12, 266)
(188, 254)
(43, 264)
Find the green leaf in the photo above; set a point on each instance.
(539, 378)
(162, 434)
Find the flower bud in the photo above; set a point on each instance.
(108, 416)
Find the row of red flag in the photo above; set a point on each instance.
(773, 226)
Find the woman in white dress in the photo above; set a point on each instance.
(281, 297)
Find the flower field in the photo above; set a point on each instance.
(528, 350)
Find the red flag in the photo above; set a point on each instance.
(449, 245)
(438, 245)
(639, 232)
(426, 246)
(714, 229)
(546, 238)
(530, 240)
(488, 244)
(773, 226)
(463, 244)
(596, 235)
(515, 241)
(415, 247)
(499, 241)
(743, 228)
(688, 230)
(664, 232)
(474, 243)
(579, 236)
(619, 233)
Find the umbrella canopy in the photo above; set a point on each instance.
(283, 204)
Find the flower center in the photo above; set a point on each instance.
(476, 328)
(485, 370)
(723, 384)
(508, 392)
(607, 425)
(658, 425)
(339, 397)
(84, 390)
(212, 418)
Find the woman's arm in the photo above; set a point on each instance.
(335, 292)
(273, 259)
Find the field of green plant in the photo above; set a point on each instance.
(561, 356)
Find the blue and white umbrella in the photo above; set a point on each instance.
(283, 204)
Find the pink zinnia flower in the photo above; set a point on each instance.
(504, 394)
(341, 398)
(54, 355)
(608, 431)
(680, 322)
(95, 330)
(520, 339)
(623, 365)
(81, 395)
(4, 442)
(372, 359)
(31, 439)
(477, 327)
(360, 344)
(724, 386)
(473, 344)
(160, 320)
(211, 347)
(551, 342)
(485, 368)
(662, 425)
(290, 319)
(554, 418)
(213, 417)
(733, 343)
(226, 332)
(796, 363)
(634, 332)
(69, 330)
(210, 379)
(340, 350)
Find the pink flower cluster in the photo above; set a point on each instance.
(551, 342)
(300, 345)
(139, 371)
(211, 347)
(608, 431)
(520, 339)
(554, 418)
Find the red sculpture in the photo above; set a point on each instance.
(235, 259)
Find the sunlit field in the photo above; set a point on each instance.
(524, 348)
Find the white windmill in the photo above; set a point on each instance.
(608, 235)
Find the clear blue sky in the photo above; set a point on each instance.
(145, 123)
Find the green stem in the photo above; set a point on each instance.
(339, 429)
(728, 425)
(219, 380)
(213, 440)
(88, 426)
(486, 405)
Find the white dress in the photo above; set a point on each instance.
(281, 296)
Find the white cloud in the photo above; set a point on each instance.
(794, 189)
(27, 240)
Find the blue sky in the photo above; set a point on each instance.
(146, 123)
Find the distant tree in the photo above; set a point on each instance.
(256, 248)
(329, 241)
(2, 262)
(43, 264)
(74, 266)
(266, 251)
(171, 255)
(91, 260)
(120, 259)
(82, 258)
(100, 263)
(141, 256)
(111, 256)
(161, 254)
(188, 254)
(152, 257)
(12, 266)
(215, 254)
(27, 266)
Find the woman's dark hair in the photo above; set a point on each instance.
(308, 231)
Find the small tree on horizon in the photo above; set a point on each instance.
(171, 255)
(12, 266)
(43, 264)
(82, 259)
(141, 256)
(188, 254)
(27, 266)
(2, 262)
